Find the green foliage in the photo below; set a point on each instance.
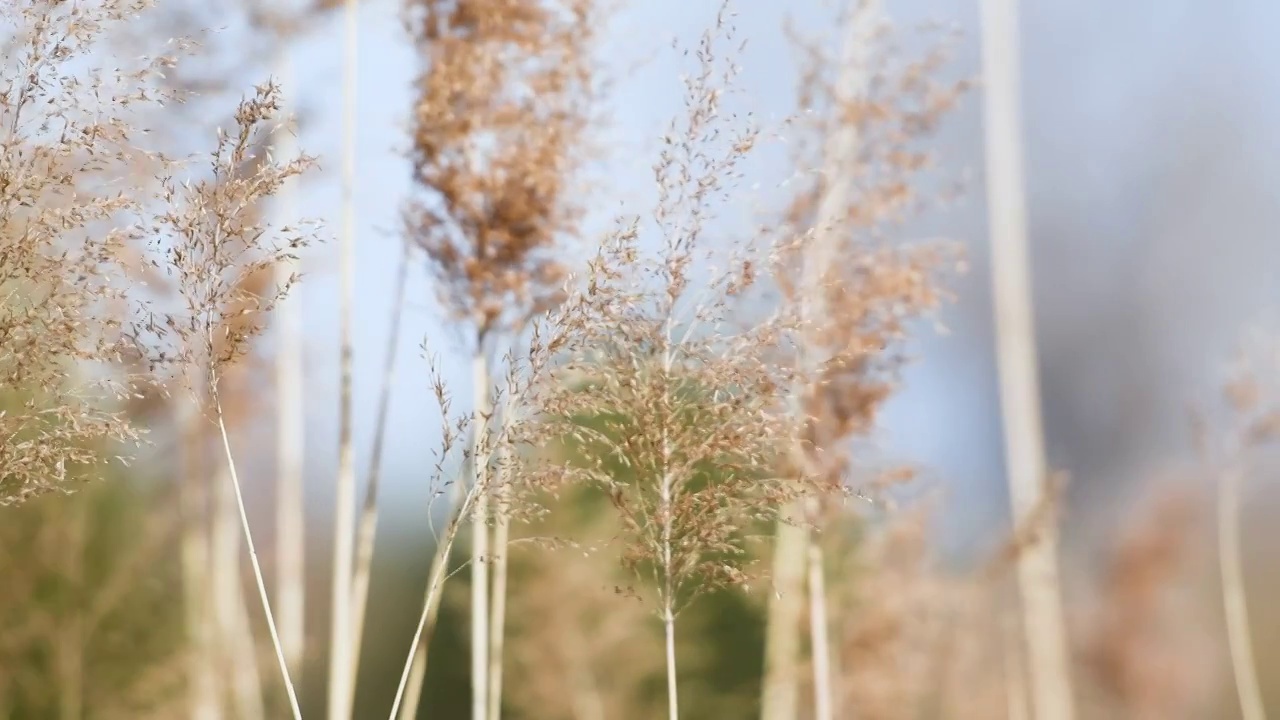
(89, 621)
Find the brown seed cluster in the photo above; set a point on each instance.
(81, 330)
(502, 107)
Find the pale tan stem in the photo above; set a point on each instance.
(1239, 642)
(795, 545)
(253, 559)
(290, 435)
(1049, 678)
(819, 633)
(430, 612)
(497, 626)
(341, 652)
(781, 698)
(666, 507)
(669, 628)
(480, 538)
(435, 585)
(431, 609)
(235, 637)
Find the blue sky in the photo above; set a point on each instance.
(1120, 220)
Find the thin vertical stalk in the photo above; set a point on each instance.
(239, 656)
(417, 667)
(823, 694)
(247, 679)
(290, 437)
(480, 535)
(669, 627)
(253, 558)
(1234, 604)
(501, 559)
(1037, 565)
(498, 616)
(341, 686)
(367, 528)
(666, 509)
(781, 699)
(422, 643)
(795, 544)
(439, 572)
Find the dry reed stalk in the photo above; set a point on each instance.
(215, 246)
(819, 628)
(482, 410)
(838, 195)
(342, 660)
(853, 295)
(430, 613)
(686, 403)
(290, 433)
(463, 496)
(1043, 621)
(234, 635)
(238, 666)
(1253, 397)
(502, 107)
(480, 453)
(781, 696)
(498, 616)
(409, 691)
(1235, 605)
(253, 560)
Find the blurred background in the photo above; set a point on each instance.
(1152, 146)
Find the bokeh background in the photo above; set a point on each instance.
(1153, 148)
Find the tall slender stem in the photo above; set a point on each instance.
(795, 545)
(341, 660)
(235, 635)
(439, 572)
(1234, 604)
(1037, 565)
(669, 627)
(781, 699)
(480, 536)
(253, 559)
(823, 695)
(430, 612)
(290, 437)
(666, 510)
(498, 615)
(416, 669)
